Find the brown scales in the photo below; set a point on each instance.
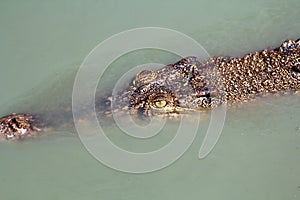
(190, 85)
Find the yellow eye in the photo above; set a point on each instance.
(160, 104)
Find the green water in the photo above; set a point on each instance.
(42, 44)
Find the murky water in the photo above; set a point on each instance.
(44, 43)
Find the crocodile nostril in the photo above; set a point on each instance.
(15, 122)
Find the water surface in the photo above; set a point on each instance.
(44, 43)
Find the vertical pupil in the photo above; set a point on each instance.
(161, 103)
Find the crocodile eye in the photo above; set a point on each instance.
(160, 104)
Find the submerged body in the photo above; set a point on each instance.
(191, 85)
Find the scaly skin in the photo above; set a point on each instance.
(191, 85)
(19, 126)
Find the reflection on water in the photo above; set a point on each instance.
(257, 155)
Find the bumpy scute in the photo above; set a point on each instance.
(192, 85)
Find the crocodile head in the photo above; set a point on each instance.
(185, 86)
(18, 126)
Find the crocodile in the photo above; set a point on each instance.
(190, 85)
